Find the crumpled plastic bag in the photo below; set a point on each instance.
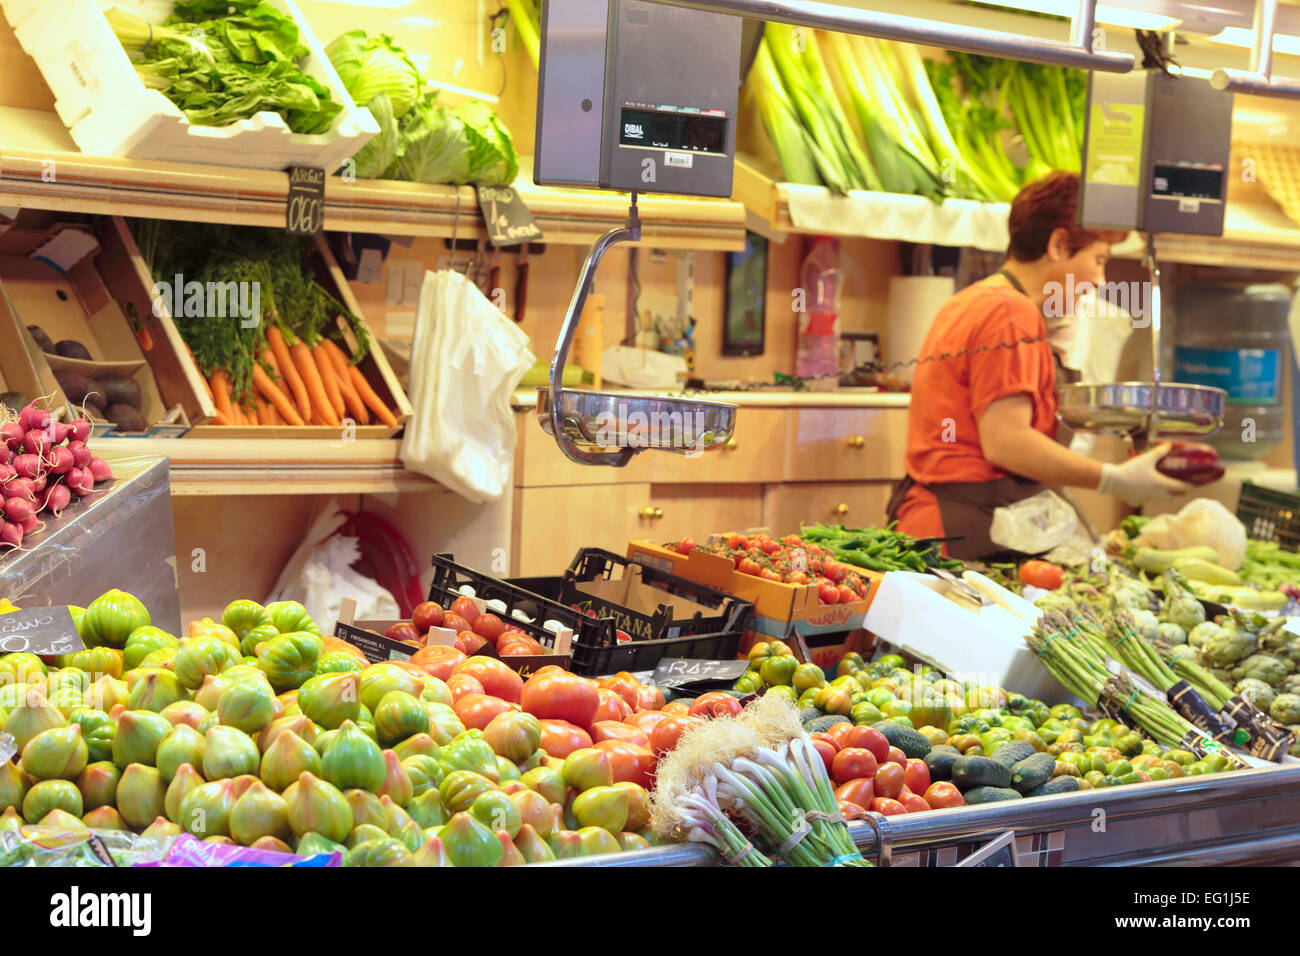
(1202, 521)
(1044, 524)
(466, 360)
(319, 576)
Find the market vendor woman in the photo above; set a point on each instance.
(982, 426)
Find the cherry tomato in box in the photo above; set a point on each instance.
(889, 780)
(828, 593)
(715, 704)
(889, 807)
(917, 775)
(853, 763)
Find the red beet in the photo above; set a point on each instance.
(11, 535)
(18, 509)
(80, 482)
(99, 470)
(79, 430)
(61, 459)
(80, 453)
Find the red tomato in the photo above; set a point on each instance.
(686, 546)
(1042, 574)
(676, 708)
(489, 627)
(462, 684)
(749, 566)
(560, 695)
(797, 577)
(826, 750)
(617, 730)
(941, 794)
(715, 704)
(889, 780)
(519, 649)
(650, 699)
(850, 811)
(561, 738)
(853, 763)
(496, 677)
(833, 570)
(454, 622)
(914, 802)
(917, 775)
(896, 756)
(769, 575)
(437, 660)
(828, 739)
(612, 706)
(626, 687)
(840, 734)
(871, 739)
(664, 735)
(645, 719)
(404, 631)
(470, 641)
(847, 594)
(629, 761)
(477, 710)
(828, 593)
(466, 608)
(427, 615)
(887, 806)
(769, 546)
(861, 792)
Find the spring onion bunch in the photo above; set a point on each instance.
(760, 769)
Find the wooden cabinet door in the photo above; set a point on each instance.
(853, 504)
(553, 524)
(845, 444)
(540, 463)
(752, 456)
(698, 511)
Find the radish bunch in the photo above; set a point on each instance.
(44, 464)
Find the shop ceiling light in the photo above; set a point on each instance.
(1239, 36)
(1107, 14)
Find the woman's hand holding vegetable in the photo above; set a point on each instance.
(1137, 480)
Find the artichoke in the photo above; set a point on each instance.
(1262, 667)
(1131, 595)
(1285, 709)
(1228, 646)
(1181, 606)
(1201, 633)
(1172, 634)
(1255, 692)
(1291, 685)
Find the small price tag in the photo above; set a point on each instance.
(508, 221)
(39, 630)
(304, 214)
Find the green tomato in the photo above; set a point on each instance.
(809, 676)
(896, 708)
(778, 670)
(1065, 712)
(784, 691)
(749, 682)
(807, 698)
(865, 712)
(1118, 768)
(880, 696)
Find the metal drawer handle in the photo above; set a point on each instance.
(840, 509)
(650, 514)
(857, 441)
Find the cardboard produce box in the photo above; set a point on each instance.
(781, 611)
(92, 288)
(23, 371)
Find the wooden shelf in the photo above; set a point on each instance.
(205, 467)
(41, 168)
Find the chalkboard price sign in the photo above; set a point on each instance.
(678, 672)
(39, 630)
(508, 221)
(304, 212)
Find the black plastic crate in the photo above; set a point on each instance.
(597, 564)
(1270, 515)
(644, 655)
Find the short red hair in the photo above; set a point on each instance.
(1039, 209)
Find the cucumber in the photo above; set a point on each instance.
(912, 743)
(971, 772)
(1012, 752)
(939, 761)
(1055, 785)
(1033, 772)
(820, 724)
(990, 795)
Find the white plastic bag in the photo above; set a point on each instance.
(1044, 523)
(1202, 521)
(319, 576)
(1091, 342)
(466, 360)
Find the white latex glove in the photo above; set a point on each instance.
(1136, 481)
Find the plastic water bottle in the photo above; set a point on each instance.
(1235, 336)
(817, 354)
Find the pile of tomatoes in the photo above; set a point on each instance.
(789, 560)
(473, 628)
(869, 774)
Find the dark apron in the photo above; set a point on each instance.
(966, 509)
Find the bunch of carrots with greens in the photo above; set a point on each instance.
(282, 368)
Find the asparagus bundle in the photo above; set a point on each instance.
(1135, 652)
(1182, 661)
(759, 768)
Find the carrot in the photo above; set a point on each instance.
(284, 365)
(370, 398)
(356, 407)
(311, 379)
(330, 380)
(279, 401)
(221, 393)
(220, 419)
(263, 410)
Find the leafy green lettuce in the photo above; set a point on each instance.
(433, 146)
(369, 66)
(493, 160)
(378, 154)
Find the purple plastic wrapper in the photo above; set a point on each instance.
(190, 851)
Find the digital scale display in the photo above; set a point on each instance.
(683, 130)
(1171, 181)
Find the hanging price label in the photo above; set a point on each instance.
(39, 630)
(304, 214)
(508, 221)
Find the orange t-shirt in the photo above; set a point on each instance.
(949, 395)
